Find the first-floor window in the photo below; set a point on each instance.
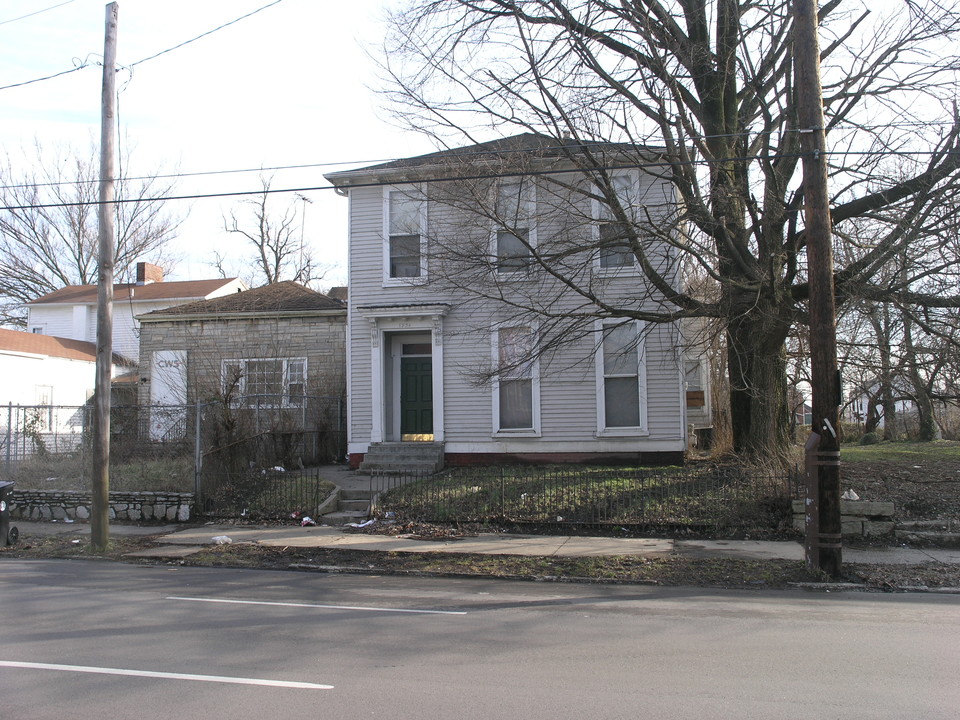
(266, 382)
(517, 383)
(696, 397)
(621, 377)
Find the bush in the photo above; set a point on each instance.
(870, 438)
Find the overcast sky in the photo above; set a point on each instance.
(290, 85)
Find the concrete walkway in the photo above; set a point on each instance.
(175, 541)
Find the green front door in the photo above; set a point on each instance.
(416, 398)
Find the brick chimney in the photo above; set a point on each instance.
(147, 273)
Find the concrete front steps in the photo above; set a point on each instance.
(941, 533)
(415, 458)
(353, 506)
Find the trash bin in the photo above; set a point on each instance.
(8, 535)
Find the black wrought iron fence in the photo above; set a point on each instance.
(697, 498)
(265, 494)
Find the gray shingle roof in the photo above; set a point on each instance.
(526, 145)
(285, 296)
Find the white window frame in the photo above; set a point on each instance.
(497, 431)
(602, 331)
(285, 396)
(414, 192)
(602, 213)
(527, 213)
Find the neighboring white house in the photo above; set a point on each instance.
(858, 407)
(45, 383)
(429, 362)
(71, 312)
(45, 370)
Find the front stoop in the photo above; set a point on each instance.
(415, 458)
(353, 506)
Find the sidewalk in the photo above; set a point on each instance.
(180, 542)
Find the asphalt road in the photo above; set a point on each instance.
(101, 640)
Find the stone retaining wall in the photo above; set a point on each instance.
(63, 505)
(859, 518)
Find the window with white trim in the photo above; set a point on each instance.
(693, 379)
(621, 379)
(613, 235)
(516, 393)
(266, 382)
(404, 257)
(514, 234)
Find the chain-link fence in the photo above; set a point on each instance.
(215, 449)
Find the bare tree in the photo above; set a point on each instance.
(277, 238)
(48, 225)
(709, 84)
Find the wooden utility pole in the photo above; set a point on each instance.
(100, 510)
(823, 529)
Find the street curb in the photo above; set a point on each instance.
(572, 579)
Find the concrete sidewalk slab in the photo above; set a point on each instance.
(740, 549)
(599, 546)
(902, 556)
(31, 528)
(178, 541)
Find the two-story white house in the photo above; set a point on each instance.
(481, 280)
(71, 312)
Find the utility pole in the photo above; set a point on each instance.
(100, 510)
(823, 528)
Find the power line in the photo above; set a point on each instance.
(465, 154)
(376, 183)
(203, 35)
(48, 77)
(138, 62)
(207, 173)
(35, 12)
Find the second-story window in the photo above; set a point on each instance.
(614, 249)
(404, 235)
(513, 235)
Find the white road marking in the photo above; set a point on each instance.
(165, 675)
(322, 607)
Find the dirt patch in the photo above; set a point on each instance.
(927, 488)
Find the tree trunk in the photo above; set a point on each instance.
(921, 395)
(758, 387)
(881, 328)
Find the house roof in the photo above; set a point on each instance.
(284, 297)
(131, 292)
(525, 145)
(37, 344)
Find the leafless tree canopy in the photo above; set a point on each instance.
(276, 239)
(48, 229)
(709, 84)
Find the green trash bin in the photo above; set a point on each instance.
(8, 535)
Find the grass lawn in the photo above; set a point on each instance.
(908, 453)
